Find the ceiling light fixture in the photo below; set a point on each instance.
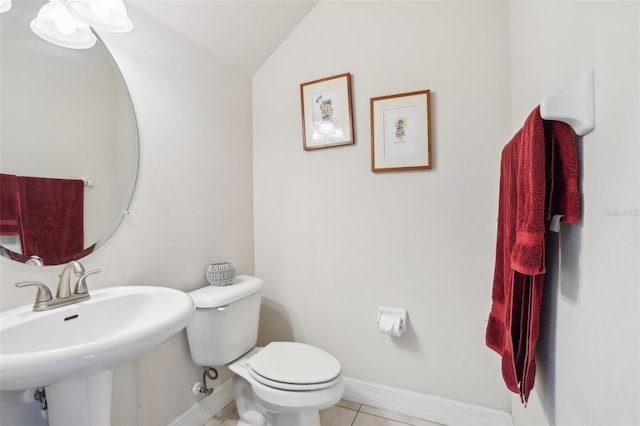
(56, 25)
(68, 23)
(5, 5)
(107, 15)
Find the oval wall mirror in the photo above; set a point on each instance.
(66, 119)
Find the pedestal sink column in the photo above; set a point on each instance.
(82, 401)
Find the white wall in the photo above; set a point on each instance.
(333, 240)
(192, 206)
(589, 354)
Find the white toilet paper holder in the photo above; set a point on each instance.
(398, 314)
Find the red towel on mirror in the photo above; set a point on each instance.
(538, 179)
(51, 218)
(9, 210)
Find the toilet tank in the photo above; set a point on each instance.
(225, 325)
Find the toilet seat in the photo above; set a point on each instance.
(294, 366)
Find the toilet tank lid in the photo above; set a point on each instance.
(216, 296)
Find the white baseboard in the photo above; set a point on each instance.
(423, 406)
(202, 411)
(401, 401)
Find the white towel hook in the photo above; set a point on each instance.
(88, 183)
(574, 107)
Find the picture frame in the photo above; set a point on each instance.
(401, 132)
(327, 112)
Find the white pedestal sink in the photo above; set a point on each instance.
(72, 350)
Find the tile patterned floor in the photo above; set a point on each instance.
(345, 413)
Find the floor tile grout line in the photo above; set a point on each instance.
(356, 416)
(358, 411)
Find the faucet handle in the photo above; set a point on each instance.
(81, 285)
(44, 294)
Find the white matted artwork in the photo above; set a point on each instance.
(401, 132)
(327, 112)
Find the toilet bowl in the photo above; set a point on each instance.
(282, 384)
(287, 383)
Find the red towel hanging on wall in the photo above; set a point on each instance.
(538, 179)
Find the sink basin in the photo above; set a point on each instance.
(117, 324)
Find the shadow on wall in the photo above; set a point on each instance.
(561, 281)
(409, 341)
(570, 244)
(276, 326)
(275, 323)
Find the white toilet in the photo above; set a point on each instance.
(282, 384)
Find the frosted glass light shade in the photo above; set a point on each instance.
(5, 5)
(107, 15)
(56, 25)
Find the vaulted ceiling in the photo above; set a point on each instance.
(242, 33)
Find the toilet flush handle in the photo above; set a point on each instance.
(222, 308)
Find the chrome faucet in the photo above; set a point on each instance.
(44, 300)
(64, 284)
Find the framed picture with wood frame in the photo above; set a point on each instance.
(327, 114)
(401, 132)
